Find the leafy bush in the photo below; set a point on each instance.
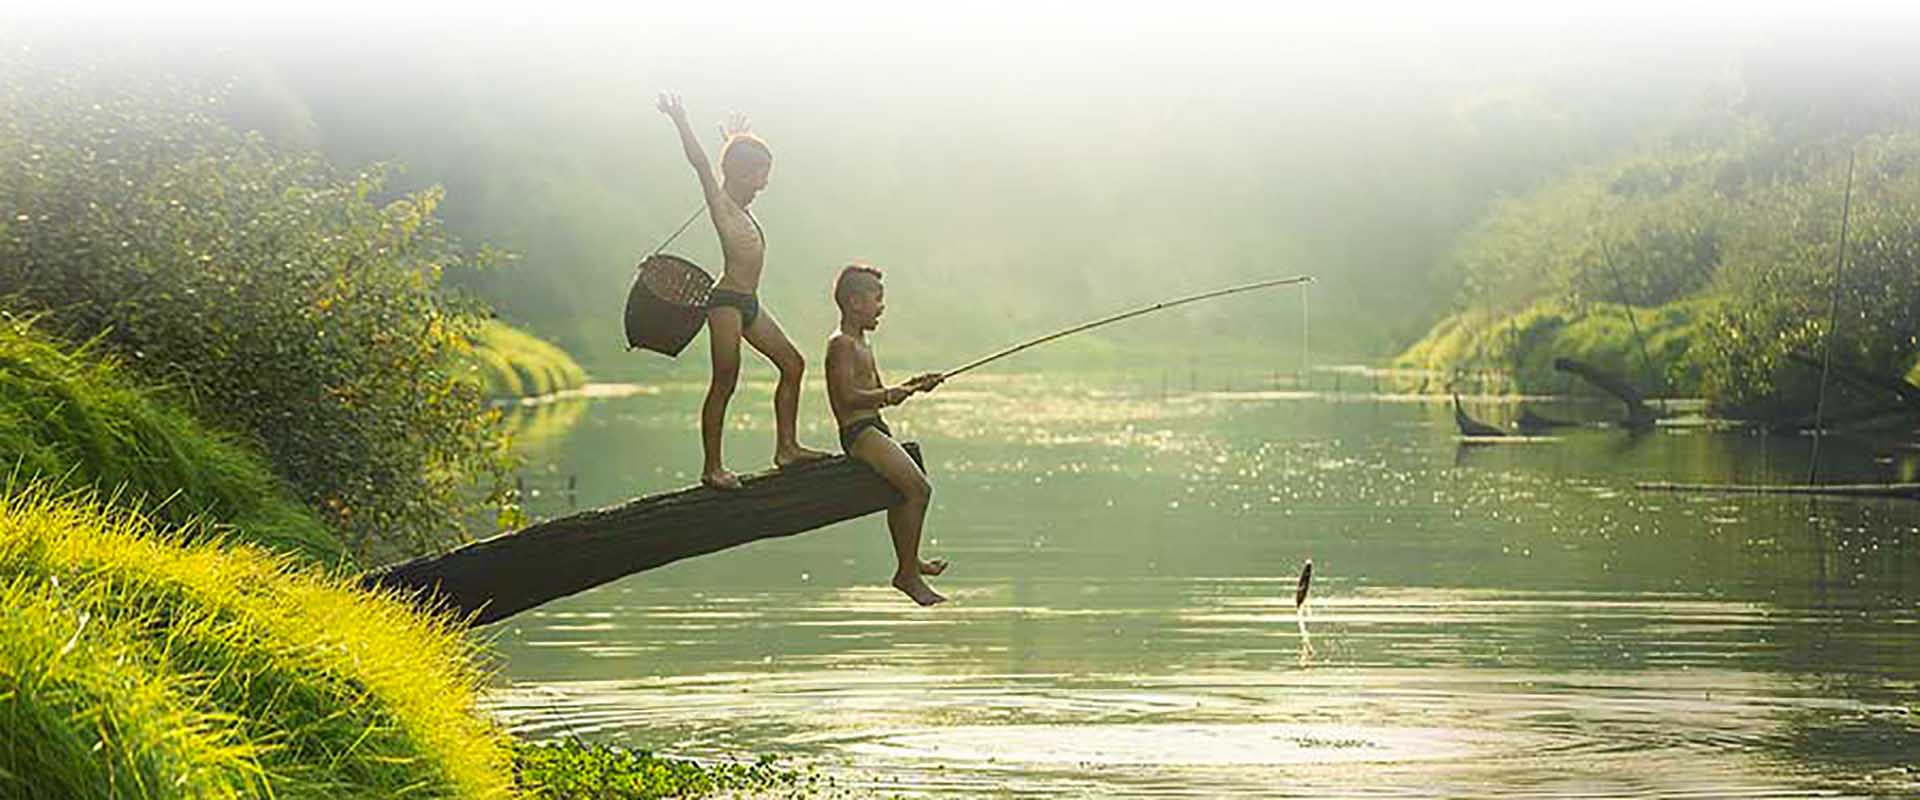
(286, 301)
(70, 418)
(1780, 278)
(226, 667)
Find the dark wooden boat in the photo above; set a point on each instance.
(1471, 427)
(1530, 422)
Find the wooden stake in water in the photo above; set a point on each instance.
(1087, 326)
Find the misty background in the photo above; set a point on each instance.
(1011, 176)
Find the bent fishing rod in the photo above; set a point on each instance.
(1087, 326)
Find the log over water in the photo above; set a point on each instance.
(490, 580)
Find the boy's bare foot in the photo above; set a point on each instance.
(721, 479)
(933, 567)
(789, 456)
(917, 589)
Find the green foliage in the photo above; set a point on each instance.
(289, 302)
(510, 362)
(574, 770)
(1726, 245)
(71, 418)
(229, 669)
(1644, 230)
(1779, 281)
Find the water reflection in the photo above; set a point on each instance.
(1513, 617)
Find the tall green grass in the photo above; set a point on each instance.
(509, 362)
(135, 663)
(69, 416)
(82, 717)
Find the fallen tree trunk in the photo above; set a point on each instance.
(1639, 416)
(1857, 419)
(1905, 394)
(490, 580)
(1910, 491)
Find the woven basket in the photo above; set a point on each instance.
(667, 304)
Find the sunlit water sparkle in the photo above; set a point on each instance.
(1512, 621)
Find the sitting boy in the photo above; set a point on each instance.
(856, 394)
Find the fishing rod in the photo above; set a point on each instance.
(1086, 326)
(1626, 306)
(1833, 323)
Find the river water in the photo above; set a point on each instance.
(1512, 619)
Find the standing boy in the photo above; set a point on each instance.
(733, 307)
(856, 394)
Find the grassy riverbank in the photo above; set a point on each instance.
(136, 662)
(72, 418)
(1521, 347)
(509, 362)
(152, 645)
(232, 381)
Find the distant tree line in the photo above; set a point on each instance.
(1723, 233)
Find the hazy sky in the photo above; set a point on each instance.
(1017, 165)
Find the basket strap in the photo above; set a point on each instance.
(677, 231)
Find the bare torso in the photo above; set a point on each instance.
(864, 371)
(742, 245)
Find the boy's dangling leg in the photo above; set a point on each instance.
(905, 521)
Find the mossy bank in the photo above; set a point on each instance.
(509, 362)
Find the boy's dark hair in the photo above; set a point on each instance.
(844, 285)
(741, 151)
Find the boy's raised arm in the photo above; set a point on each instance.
(675, 110)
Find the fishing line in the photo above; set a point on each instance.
(1306, 334)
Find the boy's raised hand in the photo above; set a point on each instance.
(737, 123)
(670, 105)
